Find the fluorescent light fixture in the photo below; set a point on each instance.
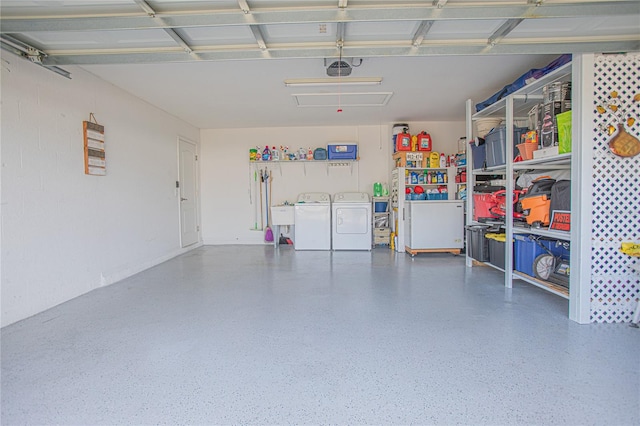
(348, 81)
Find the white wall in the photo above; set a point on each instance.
(229, 209)
(65, 233)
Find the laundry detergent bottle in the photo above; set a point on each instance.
(266, 154)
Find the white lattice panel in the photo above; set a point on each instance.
(615, 288)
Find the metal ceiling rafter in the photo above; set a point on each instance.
(30, 53)
(503, 31)
(453, 47)
(244, 6)
(256, 30)
(208, 18)
(257, 33)
(421, 32)
(170, 31)
(439, 3)
(340, 34)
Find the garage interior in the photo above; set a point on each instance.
(115, 312)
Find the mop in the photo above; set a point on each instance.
(268, 233)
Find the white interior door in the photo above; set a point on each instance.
(188, 189)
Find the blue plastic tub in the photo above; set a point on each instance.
(496, 145)
(525, 252)
(479, 154)
(342, 152)
(380, 206)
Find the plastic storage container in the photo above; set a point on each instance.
(478, 244)
(496, 252)
(526, 250)
(342, 151)
(496, 142)
(479, 153)
(380, 206)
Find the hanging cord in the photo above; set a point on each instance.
(339, 78)
(92, 118)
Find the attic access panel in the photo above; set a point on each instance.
(363, 99)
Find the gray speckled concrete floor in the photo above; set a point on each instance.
(250, 335)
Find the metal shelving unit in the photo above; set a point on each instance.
(513, 108)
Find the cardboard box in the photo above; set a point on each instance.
(545, 152)
(381, 232)
(411, 159)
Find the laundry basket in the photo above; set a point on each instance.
(484, 125)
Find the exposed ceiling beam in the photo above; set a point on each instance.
(244, 6)
(504, 29)
(207, 18)
(30, 53)
(421, 32)
(340, 34)
(255, 29)
(170, 31)
(176, 37)
(145, 6)
(452, 47)
(257, 33)
(439, 3)
(342, 4)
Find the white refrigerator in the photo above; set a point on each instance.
(434, 224)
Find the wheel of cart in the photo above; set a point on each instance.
(551, 267)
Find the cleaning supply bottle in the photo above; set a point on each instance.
(443, 160)
(377, 189)
(266, 154)
(275, 154)
(310, 154)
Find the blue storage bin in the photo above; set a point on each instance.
(380, 206)
(496, 143)
(525, 252)
(342, 151)
(437, 196)
(479, 154)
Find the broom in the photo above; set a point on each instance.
(268, 233)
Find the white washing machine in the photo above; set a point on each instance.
(351, 213)
(312, 217)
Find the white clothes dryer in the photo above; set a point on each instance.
(351, 227)
(312, 217)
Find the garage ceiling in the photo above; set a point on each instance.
(223, 63)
